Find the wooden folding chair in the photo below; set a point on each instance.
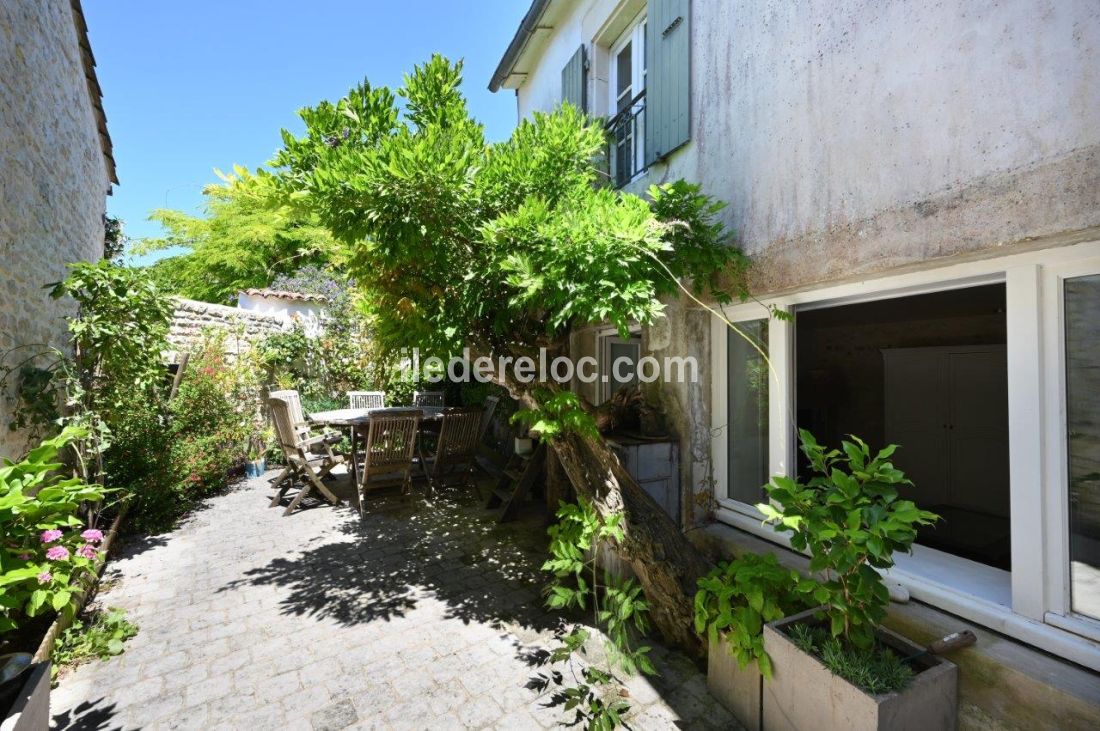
(456, 451)
(301, 463)
(388, 450)
(366, 399)
(428, 398)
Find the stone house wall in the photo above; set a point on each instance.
(55, 172)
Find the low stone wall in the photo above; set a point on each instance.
(244, 328)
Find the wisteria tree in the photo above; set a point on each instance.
(505, 248)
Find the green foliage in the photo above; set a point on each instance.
(101, 636)
(876, 669)
(737, 598)
(850, 518)
(697, 245)
(42, 552)
(501, 246)
(114, 240)
(557, 412)
(139, 463)
(239, 243)
(113, 361)
(118, 334)
(208, 424)
(618, 606)
(342, 357)
(167, 462)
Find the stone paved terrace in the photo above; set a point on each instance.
(423, 616)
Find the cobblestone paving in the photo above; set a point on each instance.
(421, 616)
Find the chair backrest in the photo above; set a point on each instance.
(294, 402)
(487, 415)
(428, 398)
(459, 434)
(366, 399)
(391, 438)
(282, 415)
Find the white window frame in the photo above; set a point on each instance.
(1030, 603)
(604, 338)
(635, 35)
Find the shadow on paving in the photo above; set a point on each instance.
(88, 716)
(409, 548)
(451, 549)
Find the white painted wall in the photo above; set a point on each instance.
(309, 314)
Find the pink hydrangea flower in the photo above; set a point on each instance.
(92, 535)
(49, 536)
(86, 551)
(24, 556)
(57, 553)
(45, 577)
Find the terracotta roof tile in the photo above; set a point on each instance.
(282, 294)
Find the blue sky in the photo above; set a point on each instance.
(203, 84)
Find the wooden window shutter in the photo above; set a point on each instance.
(668, 77)
(574, 86)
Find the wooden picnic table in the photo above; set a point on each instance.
(358, 420)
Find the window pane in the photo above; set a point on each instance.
(1083, 427)
(628, 352)
(747, 420)
(623, 77)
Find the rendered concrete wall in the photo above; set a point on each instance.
(850, 138)
(53, 178)
(856, 138)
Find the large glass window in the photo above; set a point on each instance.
(1082, 323)
(929, 373)
(747, 420)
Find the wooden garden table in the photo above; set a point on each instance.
(358, 419)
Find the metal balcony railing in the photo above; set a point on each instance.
(626, 135)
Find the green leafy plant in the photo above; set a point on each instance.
(100, 636)
(45, 549)
(239, 243)
(617, 605)
(557, 412)
(876, 669)
(208, 418)
(851, 519)
(112, 364)
(739, 597)
(504, 248)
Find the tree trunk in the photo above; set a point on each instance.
(666, 564)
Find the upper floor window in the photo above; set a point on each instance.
(627, 86)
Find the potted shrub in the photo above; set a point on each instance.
(834, 666)
(733, 603)
(258, 444)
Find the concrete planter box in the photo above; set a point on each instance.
(803, 694)
(31, 709)
(736, 688)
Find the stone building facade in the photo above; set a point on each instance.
(56, 170)
(917, 185)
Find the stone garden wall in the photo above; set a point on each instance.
(244, 328)
(54, 179)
